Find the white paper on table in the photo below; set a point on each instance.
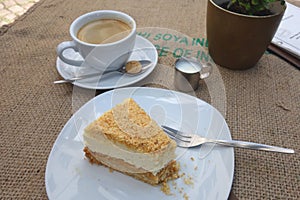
(288, 32)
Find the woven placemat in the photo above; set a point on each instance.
(262, 104)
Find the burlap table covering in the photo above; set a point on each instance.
(262, 104)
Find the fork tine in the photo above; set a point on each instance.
(176, 136)
(180, 142)
(176, 132)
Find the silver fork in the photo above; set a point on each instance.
(192, 140)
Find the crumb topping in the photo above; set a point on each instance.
(130, 125)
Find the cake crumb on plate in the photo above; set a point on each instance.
(165, 188)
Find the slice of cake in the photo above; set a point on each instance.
(126, 139)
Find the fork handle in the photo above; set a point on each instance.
(251, 145)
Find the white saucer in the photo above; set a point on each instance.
(143, 50)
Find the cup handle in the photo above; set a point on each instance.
(206, 70)
(67, 45)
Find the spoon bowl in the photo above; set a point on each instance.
(134, 67)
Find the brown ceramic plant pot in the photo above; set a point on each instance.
(238, 41)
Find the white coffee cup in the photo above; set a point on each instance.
(102, 57)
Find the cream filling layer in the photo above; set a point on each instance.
(152, 162)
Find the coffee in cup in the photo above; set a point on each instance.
(103, 31)
(104, 39)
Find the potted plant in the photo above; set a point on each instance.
(239, 31)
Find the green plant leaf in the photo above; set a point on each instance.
(251, 7)
(246, 5)
(254, 2)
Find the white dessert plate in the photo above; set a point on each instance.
(208, 169)
(143, 50)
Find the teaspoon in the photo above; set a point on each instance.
(131, 68)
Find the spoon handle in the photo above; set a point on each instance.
(71, 80)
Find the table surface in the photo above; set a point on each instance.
(260, 104)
